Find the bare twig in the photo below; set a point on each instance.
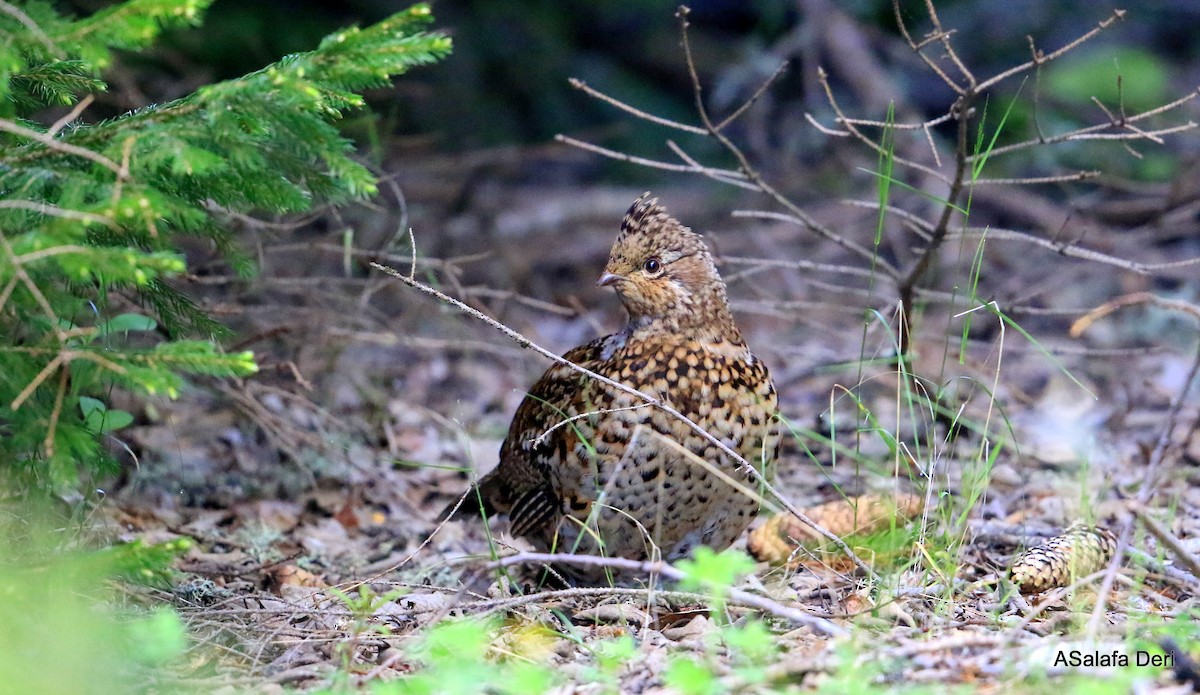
(1181, 553)
(1042, 58)
(1093, 132)
(779, 610)
(1071, 250)
(71, 115)
(762, 89)
(1149, 486)
(596, 94)
(623, 157)
(744, 164)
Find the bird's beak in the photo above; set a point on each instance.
(608, 279)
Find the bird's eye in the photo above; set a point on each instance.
(653, 265)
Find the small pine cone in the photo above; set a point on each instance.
(776, 540)
(1078, 552)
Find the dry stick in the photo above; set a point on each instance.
(753, 174)
(1092, 132)
(1038, 180)
(638, 113)
(943, 36)
(745, 598)
(725, 176)
(794, 265)
(1116, 122)
(55, 211)
(762, 89)
(1157, 456)
(923, 125)
(642, 161)
(71, 115)
(1181, 553)
(1045, 58)
(31, 286)
(918, 49)
(1071, 250)
(1086, 321)
(872, 145)
(937, 236)
(742, 462)
(55, 414)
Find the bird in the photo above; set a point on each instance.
(589, 469)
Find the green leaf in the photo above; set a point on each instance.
(752, 641)
(714, 571)
(690, 677)
(99, 419)
(159, 638)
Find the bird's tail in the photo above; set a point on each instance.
(472, 504)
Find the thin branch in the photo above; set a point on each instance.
(926, 125)
(917, 48)
(1174, 544)
(726, 176)
(812, 120)
(943, 36)
(874, 146)
(795, 265)
(55, 211)
(71, 115)
(745, 598)
(1037, 61)
(58, 145)
(1070, 250)
(32, 287)
(27, 22)
(638, 113)
(881, 263)
(55, 413)
(762, 89)
(744, 163)
(621, 156)
(1037, 180)
(1085, 322)
(1092, 132)
(36, 381)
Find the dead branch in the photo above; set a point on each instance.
(745, 598)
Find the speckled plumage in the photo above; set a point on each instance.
(588, 469)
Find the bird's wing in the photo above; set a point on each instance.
(520, 485)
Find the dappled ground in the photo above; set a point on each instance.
(377, 405)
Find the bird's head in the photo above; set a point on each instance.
(664, 273)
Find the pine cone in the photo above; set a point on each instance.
(1078, 552)
(776, 540)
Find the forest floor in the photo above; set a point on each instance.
(376, 406)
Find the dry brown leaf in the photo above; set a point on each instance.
(280, 576)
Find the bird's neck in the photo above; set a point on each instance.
(706, 319)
